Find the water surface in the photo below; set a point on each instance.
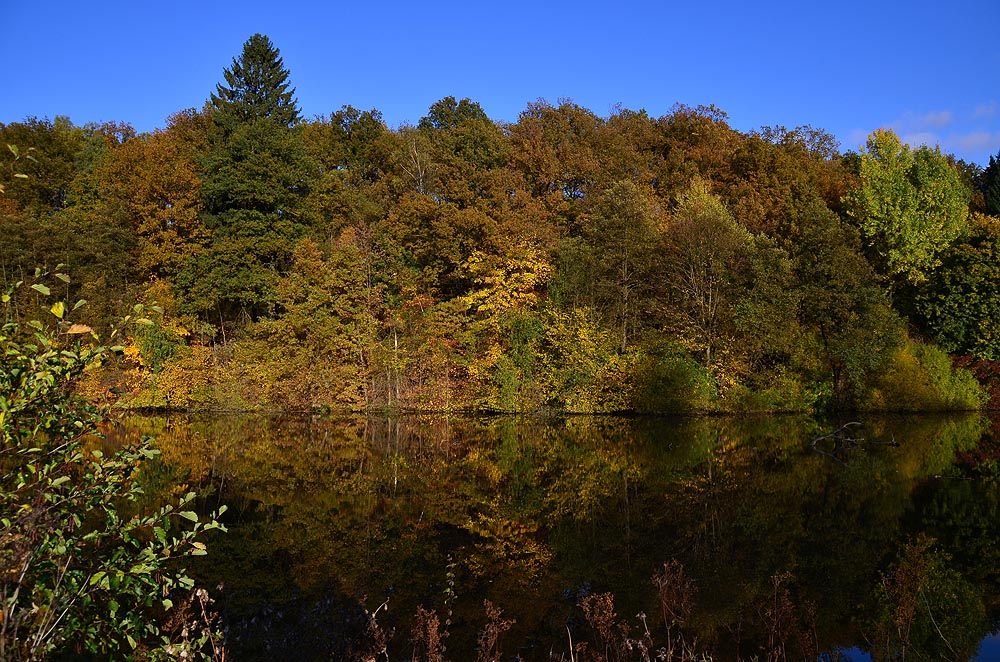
(762, 542)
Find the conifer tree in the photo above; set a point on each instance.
(990, 180)
(256, 87)
(255, 178)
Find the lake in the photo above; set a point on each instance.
(771, 537)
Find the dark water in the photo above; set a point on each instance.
(877, 542)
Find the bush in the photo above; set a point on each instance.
(80, 569)
(922, 378)
(671, 381)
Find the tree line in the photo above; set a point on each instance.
(565, 262)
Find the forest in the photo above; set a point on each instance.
(567, 262)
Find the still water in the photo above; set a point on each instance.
(737, 538)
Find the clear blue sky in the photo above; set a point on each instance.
(929, 70)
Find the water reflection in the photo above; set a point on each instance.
(790, 550)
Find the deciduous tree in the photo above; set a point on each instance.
(910, 205)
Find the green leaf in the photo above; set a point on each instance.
(99, 577)
(189, 515)
(131, 641)
(63, 277)
(38, 287)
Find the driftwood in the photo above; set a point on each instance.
(843, 438)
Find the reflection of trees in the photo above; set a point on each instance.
(326, 512)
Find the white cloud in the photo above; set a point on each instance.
(914, 123)
(856, 139)
(985, 111)
(919, 138)
(937, 120)
(979, 141)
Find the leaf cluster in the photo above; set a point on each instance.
(82, 566)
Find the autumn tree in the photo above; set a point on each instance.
(706, 250)
(150, 185)
(312, 354)
(777, 171)
(556, 150)
(910, 205)
(692, 143)
(842, 303)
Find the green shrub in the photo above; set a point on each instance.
(922, 377)
(671, 381)
(80, 568)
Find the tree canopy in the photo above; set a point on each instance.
(563, 261)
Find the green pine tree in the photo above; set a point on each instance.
(991, 186)
(256, 87)
(255, 178)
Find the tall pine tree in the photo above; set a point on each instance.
(990, 183)
(255, 178)
(256, 87)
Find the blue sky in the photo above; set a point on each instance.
(929, 70)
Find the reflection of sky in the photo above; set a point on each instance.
(989, 649)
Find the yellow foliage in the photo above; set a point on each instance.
(584, 371)
(507, 282)
(509, 542)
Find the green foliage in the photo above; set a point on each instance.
(256, 87)
(926, 609)
(706, 251)
(624, 233)
(909, 206)
(582, 368)
(39, 163)
(507, 370)
(960, 303)
(669, 380)
(256, 176)
(922, 378)
(990, 186)
(82, 567)
(254, 188)
(843, 305)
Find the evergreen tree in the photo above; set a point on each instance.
(255, 178)
(991, 186)
(256, 87)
